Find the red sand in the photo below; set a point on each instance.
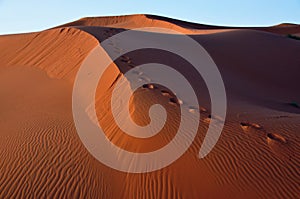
(42, 155)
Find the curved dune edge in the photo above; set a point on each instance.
(145, 20)
(53, 51)
(42, 154)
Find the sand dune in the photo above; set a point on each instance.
(257, 156)
(141, 20)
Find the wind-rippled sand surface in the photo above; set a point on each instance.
(257, 155)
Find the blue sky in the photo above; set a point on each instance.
(32, 15)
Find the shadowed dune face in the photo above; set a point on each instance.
(258, 154)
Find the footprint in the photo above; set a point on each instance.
(276, 137)
(215, 118)
(118, 50)
(149, 86)
(193, 109)
(247, 125)
(144, 79)
(175, 101)
(180, 101)
(203, 110)
(280, 146)
(131, 65)
(136, 72)
(125, 58)
(166, 93)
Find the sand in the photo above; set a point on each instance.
(257, 155)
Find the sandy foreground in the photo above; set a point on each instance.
(257, 155)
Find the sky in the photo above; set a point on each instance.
(18, 16)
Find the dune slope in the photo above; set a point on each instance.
(257, 156)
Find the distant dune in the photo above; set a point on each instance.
(257, 155)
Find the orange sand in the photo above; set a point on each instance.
(257, 156)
